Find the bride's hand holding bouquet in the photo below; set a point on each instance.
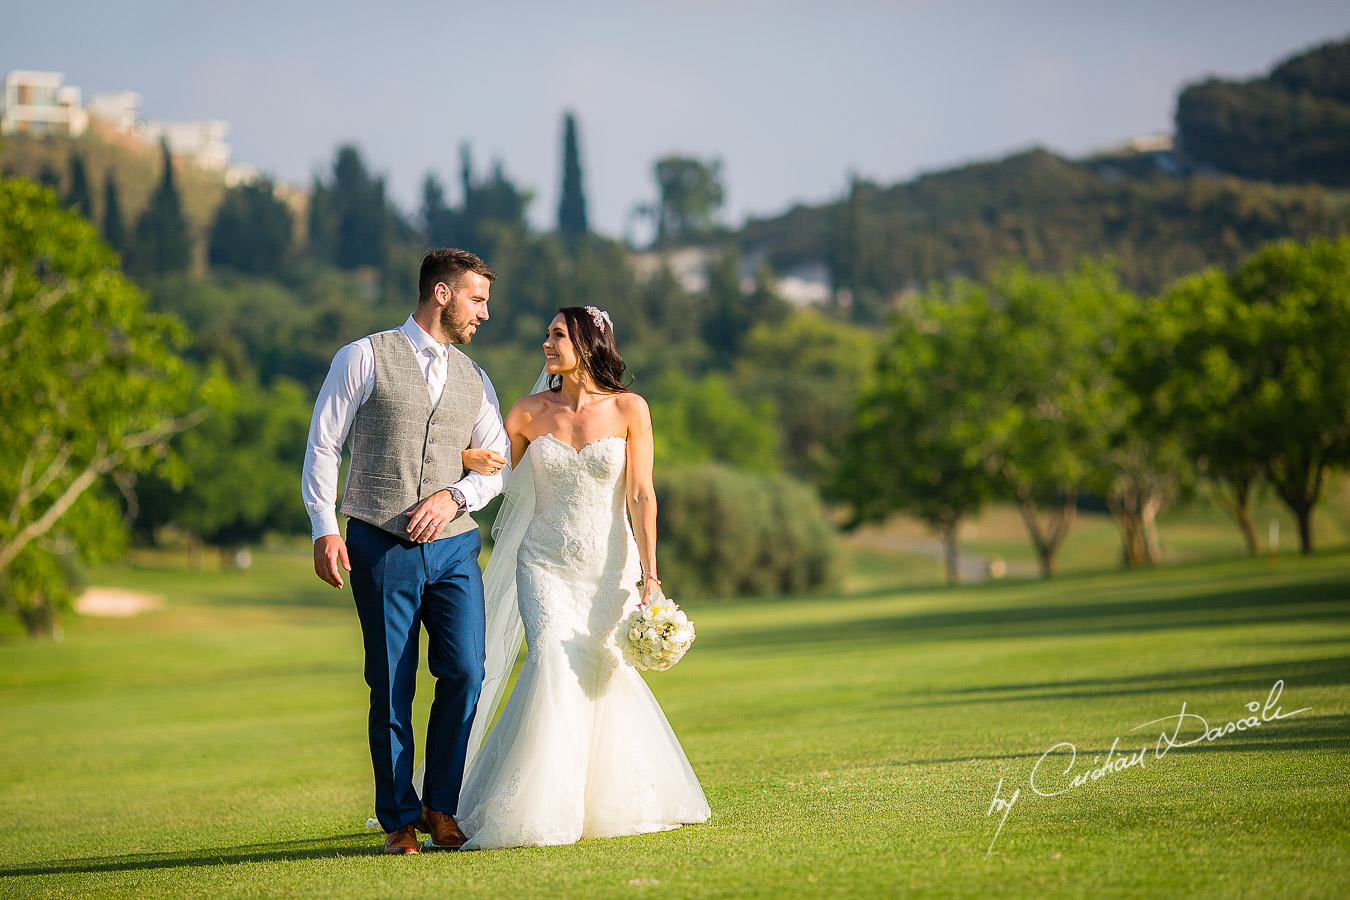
(657, 634)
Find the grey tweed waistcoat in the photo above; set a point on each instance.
(402, 450)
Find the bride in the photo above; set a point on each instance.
(582, 749)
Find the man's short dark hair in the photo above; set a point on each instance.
(448, 266)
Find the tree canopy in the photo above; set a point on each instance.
(252, 231)
(93, 390)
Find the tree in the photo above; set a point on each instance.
(162, 242)
(492, 219)
(49, 178)
(361, 217)
(114, 228)
(321, 227)
(811, 368)
(1047, 347)
(440, 223)
(690, 196)
(1175, 364)
(572, 207)
(1289, 340)
(1251, 371)
(705, 420)
(726, 316)
(92, 388)
(256, 438)
(349, 220)
(252, 230)
(855, 252)
(920, 424)
(78, 197)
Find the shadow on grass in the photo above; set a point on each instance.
(359, 844)
(1324, 600)
(1257, 678)
(1304, 733)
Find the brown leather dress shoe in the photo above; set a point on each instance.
(403, 841)
(445, 834)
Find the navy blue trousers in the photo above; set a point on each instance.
(399, 587)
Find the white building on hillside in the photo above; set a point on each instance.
(120, 111)
(40, 103)
(202, 142)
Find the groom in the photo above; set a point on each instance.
(410, 403)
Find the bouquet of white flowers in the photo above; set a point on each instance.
(656, 636)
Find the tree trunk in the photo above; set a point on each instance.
(1243, 514)
(40, 620)
(1305, 532)
(1131, 530)
(949, 555)
(1148, 531)
(1239, 507)
(1299, 484)
(1047, 539)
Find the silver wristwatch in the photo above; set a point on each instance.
(459, 498)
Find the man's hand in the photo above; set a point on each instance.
(428, 517)
(329, 551)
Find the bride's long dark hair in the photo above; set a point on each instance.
(598, 350)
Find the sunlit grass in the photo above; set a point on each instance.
(849, 744)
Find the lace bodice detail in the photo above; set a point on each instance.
(579, 516)
(579, 549)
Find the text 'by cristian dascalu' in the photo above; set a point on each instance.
(1185, 729)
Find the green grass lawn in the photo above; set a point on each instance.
(849, 745)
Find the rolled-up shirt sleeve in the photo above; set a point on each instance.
(344, 390)
(489, 433)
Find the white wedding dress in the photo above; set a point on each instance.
(582, 748)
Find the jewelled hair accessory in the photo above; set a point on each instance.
(600, 317)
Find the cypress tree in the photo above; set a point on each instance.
(572, 206)
(78, 197)
(322, 230)
(360, 215)
(49, 179)
(162, 243)
(114, 230)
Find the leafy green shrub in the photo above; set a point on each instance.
(724, 532)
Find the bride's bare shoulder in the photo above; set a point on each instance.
(528, 407)
(634, 408)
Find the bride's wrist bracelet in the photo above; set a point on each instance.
(647, 576)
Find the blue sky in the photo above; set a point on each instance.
(791, 96)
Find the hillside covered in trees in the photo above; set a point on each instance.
(1291, 127)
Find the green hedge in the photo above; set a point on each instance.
(724, 532)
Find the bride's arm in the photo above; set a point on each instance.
(516, 421)
(641, 492)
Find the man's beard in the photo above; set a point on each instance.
(457, 330)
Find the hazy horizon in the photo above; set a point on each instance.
(792, 97)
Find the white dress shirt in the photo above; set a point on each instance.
(348, 385)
